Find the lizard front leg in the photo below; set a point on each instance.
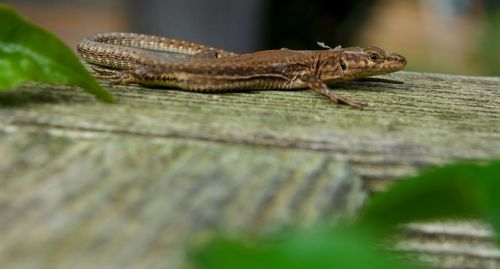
(320, 87)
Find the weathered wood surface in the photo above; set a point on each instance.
(86, 184)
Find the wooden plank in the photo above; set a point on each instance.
(451, 244)
(87, 200)
(431, 119)
(92, 184)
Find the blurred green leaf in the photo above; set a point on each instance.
(454, 191)
(342, 248)
(29, 53)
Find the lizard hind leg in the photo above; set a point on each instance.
(114, 76)
(320, 87)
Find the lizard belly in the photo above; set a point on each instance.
(212, 83)
(219, 85)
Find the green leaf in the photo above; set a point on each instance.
(454, 191)
(342, 248)
(29, 53)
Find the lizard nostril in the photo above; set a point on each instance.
(400, 58)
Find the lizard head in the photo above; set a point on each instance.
(358, 62)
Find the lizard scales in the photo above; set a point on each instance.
(158, 61)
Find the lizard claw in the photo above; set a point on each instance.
(344, 101)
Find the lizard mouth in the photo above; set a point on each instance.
(359, 72)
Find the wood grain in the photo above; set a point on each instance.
(86, 184)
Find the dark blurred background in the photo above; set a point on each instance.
(447, 36)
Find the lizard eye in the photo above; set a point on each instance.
(374, 56)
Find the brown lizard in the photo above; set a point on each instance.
(158, 61)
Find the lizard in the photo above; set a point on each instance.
(149, 60)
